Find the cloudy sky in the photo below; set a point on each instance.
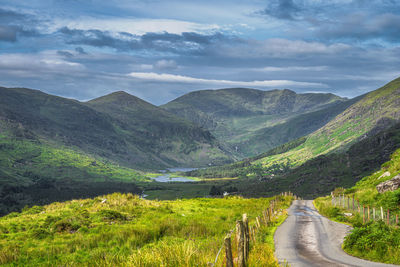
(159, 49)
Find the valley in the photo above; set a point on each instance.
(88, 172)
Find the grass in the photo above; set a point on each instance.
(31, 159)
(123, 230)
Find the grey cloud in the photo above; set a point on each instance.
(8, 33)
(282, 9)
(65, 54)
(13, 24)
(187, 42)
(9, 16)
(80, 50)
(363, 26)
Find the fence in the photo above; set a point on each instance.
(245, 233)
(367, 212)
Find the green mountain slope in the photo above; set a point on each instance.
(171, 139)
(253, 121)
(376, 111)
(53, 149)
(349, 147)
(141, 142)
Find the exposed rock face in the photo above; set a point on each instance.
(390, 185)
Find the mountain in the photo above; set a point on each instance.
(253, 121)
(376, 111)
(53, 148)
(145, 137)
(172, 140)
(347, 148)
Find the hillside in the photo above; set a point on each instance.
(253, 121)
(372, 238)
(376, 111)
(349, 147)
(148, 138)
(172, 140)
(54, 149)
(124, 230)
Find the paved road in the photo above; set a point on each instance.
(308, 239)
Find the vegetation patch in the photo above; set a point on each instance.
(124, 230)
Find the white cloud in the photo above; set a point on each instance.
(171, 78)
(133, 26)
(48, 61)
(292, 68)
(166, 64)
(277, 47)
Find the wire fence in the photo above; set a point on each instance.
(367, 212)
(235, 251)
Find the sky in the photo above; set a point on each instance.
(159, 50)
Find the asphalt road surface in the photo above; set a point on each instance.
(307, 238)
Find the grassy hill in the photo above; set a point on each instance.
(349, 147)
(170, 139)
(253, 121)
(142, 141)
(123, 230)
(53, 148)
(371, 240)
(376, 111)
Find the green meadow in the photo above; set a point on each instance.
(124, 230)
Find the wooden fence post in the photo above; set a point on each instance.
(348, 203)
(228, 251)
(265, 216)
(382, 214)
(240, 246)
(373, 213)
(269, 214)
(253, 232)
(353, 203)
(388, 217)
(246, 236)
(258, 222)
(397, 219)
(368, 212)
(363, 212)
(344, 202)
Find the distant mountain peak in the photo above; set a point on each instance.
(120, 98)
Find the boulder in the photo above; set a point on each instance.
(389, 185)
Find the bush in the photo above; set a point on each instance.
(374, 241)
(112, 215)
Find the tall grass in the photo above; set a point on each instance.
(124, 230)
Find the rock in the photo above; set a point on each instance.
(348, 214)
(386, 174)
(389, 185)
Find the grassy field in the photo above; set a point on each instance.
(124, 230)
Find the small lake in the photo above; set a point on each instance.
(166, 178)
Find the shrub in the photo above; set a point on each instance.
(112, 215)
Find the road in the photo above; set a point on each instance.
(307, 238)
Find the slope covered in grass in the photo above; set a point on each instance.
(172, 140)
(376, 111)
(35, 172)
(123, 230)
(137, 134)
(253, 121)
(373, 240)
